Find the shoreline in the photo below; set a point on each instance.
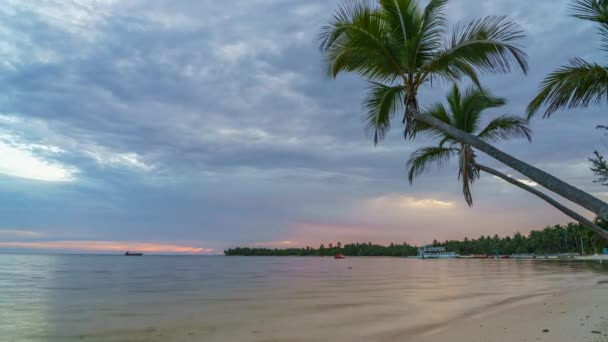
(578, 315)
(596, 257)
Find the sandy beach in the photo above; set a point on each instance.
(559, 317)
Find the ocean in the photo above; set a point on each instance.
(217, 298)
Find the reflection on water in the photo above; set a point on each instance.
(163, 298)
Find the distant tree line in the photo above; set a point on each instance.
(569, 238)
(353, 249)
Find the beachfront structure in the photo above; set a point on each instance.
(433, 252)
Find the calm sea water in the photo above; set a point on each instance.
(195, 298)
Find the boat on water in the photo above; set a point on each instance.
(339, 256)
(433, 252)
(133, 254)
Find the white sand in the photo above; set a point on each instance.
(566, 317)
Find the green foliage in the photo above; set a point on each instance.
(399, 45)
(554, 239)
(580, 83)
(595, 11)
(354, 249)
(464, 112)
(599, 165)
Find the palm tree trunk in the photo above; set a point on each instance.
(546, 180)
(582, 220)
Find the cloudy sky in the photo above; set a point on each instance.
(194, 125)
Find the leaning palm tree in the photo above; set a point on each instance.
(399, 47)
(464, 112)
(581, 82)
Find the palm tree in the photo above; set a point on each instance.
(398, 46)
(580, 83)
(464, 112)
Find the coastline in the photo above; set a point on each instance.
(580, 315)
(575, 316)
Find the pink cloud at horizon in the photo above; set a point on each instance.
(108, 246)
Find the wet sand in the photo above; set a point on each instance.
(559, 317)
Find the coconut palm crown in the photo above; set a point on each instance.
(399, 46)
(581, 82)
(464, 112)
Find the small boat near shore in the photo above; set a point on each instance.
(339, 256)
(133, 254)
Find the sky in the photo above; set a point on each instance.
(192, 126)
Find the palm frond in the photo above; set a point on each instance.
(432, 29)
(576, 85)
(468, 172)
(404, 18)
(506, 127)
(425, 158)
(348, 12)
(596, 11)
(592, 10)
(357, 39)
(434, 22)
(381, 104)
(490, 44)
(454, 98)
(474, 101)
(448, 140)
(455, 71)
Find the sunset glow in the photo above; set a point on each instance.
(108, 246)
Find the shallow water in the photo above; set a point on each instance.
(202, 298)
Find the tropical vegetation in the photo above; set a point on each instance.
(354, 249)
(568, 238)
(464, 112)
(580, 83)
(400, 46)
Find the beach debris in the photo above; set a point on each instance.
(545, 330)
